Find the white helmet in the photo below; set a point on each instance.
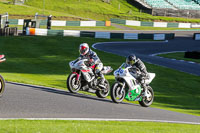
(84, 48)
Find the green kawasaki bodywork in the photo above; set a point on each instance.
(133, 94)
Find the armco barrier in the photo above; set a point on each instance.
(107, 35)
(100, 23)
(73, 23)
(55, 32)
(148, 24)
(196, 36)
(118, 21)
(43, 22)
(73, 33)
(58, 23)
(87, 34)
(172, 25)
(117, 35)
(146, 36)
(155, 24)
(64, 23)
(13, 21)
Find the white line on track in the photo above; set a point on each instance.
(166, 53)
(101, 119)
(191, 62)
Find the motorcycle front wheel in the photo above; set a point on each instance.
(117, 94)
(104, 92)
(148, 100)
(72, 84)
(2, 86)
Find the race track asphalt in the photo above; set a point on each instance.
(26, 101)
(145, 50)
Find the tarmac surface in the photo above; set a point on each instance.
(27, 101)
(147, 50)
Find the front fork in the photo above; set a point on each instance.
(123, 86)
(78, 75)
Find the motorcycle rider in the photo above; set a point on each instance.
(86, 52)
(133, 61)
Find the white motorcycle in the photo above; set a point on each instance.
(127, 86)
(83, 77)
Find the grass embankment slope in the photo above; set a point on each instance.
(24, 126)
(87, 9)
(44, 61)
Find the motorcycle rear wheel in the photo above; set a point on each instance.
(146, 102)
(116, 94)
(2, 85)
(103, 93)
(71, 83)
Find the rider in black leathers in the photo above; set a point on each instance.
(135, 62)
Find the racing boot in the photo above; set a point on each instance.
(143, 85)
(102, 80)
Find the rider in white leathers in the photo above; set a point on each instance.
(86, 52)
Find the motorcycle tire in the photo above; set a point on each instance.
(2, 85)
(72, 87)
(115, 93)
(147, 102)
(103, 93)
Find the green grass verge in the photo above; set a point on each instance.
(44, 61)
(179, 56)
(38, 126)
(16, 10)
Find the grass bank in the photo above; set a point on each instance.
(37, 126)
(44, 61)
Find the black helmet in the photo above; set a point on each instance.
(131, 59)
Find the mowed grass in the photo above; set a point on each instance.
(59, 126)
(44, 61)
(179, 56)
(97, 9)
(26, 10)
